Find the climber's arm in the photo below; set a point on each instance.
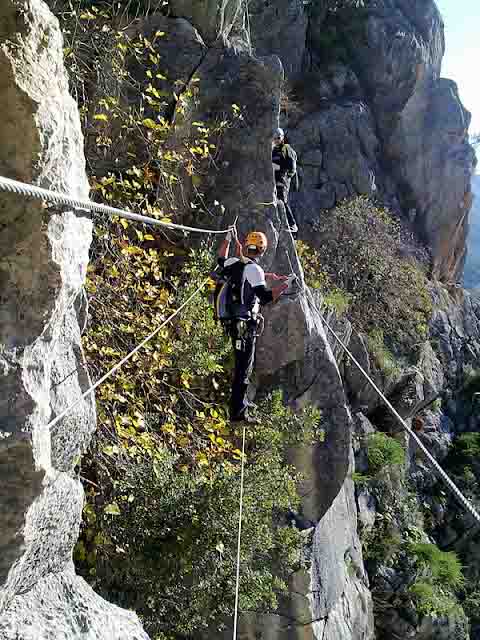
(269, 295)
(275, 277)
(225, 246)
(290, 162)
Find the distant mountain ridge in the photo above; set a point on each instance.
(472, 265)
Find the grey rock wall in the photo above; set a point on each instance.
(213, 18)
(370, 114)
(43, 260)
(472, 264)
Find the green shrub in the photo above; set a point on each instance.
(360, 478)
(316, 278)
(361, 250)
(430, 600)
(383, 451)
(463, 461)
(338, 300)
(383, 357)
(467, 446)
(443, 566)
(471, 605)
(166, 541)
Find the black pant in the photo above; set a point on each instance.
(283, 191)
(244, 340)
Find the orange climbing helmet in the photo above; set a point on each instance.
(256, 241)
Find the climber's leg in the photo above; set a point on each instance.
(282, 195)
(244, 349)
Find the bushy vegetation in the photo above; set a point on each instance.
(361, 249)
(442, 576)
(431, 579)
(443, 567)
(464, 462)
(431, 600)
(382, 356)
(383, 451)
(317, 279)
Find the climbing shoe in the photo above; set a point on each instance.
(245, 417)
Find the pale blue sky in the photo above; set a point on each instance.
(462, 56)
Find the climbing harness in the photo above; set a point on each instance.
(32, 191)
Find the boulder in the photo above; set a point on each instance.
(214, 19)
(43, 261)
(338, 152)
(181, 50)
(294, 354)
(330, 599)
(280, 28)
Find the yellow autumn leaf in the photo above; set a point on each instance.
(101, 116)
(202, 460)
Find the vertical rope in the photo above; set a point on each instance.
(239, 540)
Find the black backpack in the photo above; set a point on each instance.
(228, 293)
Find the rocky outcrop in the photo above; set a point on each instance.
(456, 330)
(472, 264)
(43, 260)
(380, 123)
(370, 114)
(214, 19)
(329, 599)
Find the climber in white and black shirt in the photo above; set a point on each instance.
(249, 279)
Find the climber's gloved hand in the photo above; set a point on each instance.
(231, 234)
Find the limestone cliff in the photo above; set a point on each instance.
(44, 254)
(472, 277)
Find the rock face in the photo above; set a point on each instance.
(43, 259)
(380, 123)
(472, 264)
(456, 328)
(330, 598)
(213, 18)
(369, 113)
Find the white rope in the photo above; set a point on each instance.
(109, 373)
(32, 191)
(239, 541)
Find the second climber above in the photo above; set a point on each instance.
(284, 160)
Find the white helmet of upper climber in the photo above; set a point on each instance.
(279, 134)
